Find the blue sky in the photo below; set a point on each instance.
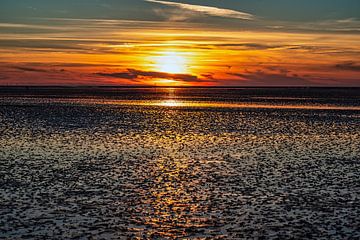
(304, 10)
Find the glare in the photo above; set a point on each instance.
(166, 82)
(171, 62)
(170, 103)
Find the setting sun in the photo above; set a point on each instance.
(171, 62)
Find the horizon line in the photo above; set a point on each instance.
(147, 86)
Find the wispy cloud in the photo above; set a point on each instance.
(212, 11)
(349, 25)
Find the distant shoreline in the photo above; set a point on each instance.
(215, 87)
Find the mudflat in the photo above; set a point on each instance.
(179, 163)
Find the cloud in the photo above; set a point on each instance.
(29, 26)
(348, 20)
(349, 66)
(122, 75)
(212, 11)
(350, 25)
(29, 69)
(271, 79)
(41, 44)
(252, 46)
(209, 76)
(134, 74)
(238, 46)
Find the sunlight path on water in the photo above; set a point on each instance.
(183, 103)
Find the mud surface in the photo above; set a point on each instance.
(88, 167)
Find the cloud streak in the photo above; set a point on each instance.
(271, 79)
(134, 74)
(349, 66)
(212, 11)
(29, 69)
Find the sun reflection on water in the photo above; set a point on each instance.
(170, 103)
(173, 203)
(170, 100)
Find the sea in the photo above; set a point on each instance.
(179, 163)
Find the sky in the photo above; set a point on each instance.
(180, 43)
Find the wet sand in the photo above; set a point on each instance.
(179, 163)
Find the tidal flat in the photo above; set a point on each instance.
(179, 163)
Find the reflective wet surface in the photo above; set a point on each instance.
(180, 163)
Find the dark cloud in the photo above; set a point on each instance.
(27, 68)
(134, 74)
(238, 46)
(43, 44)
(281, 70)
(73, 45)
(30, 69)
(122, 75)
(60, 65)
(271, 79)
(350, 66)
(208, 76)
(252, 46)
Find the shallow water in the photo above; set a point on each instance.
(180, 163)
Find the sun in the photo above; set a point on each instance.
(171, 62)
